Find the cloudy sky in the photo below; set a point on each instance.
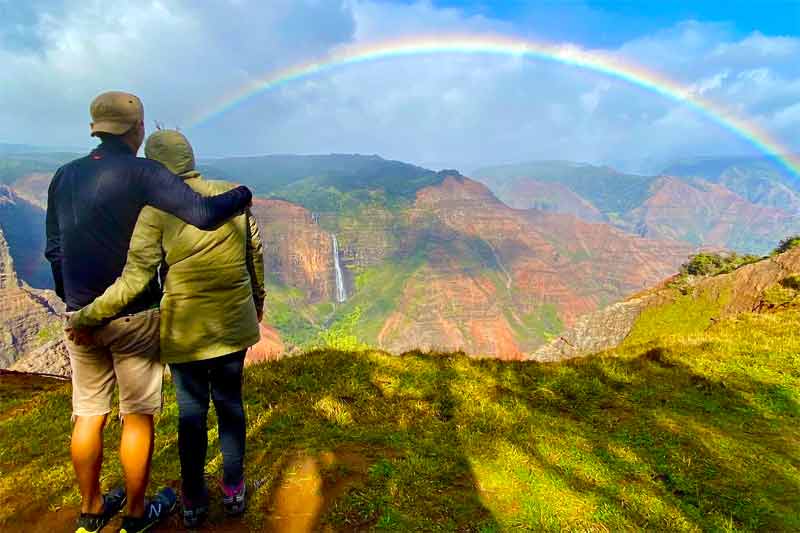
(443, 110)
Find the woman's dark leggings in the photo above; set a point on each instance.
(222, 378)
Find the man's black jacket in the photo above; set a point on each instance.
(92, 207)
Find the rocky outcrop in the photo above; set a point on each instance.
(51, 358)
(28, 317)
(8, 275)
(595, 332)
(743, 290)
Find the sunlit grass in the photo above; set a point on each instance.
(689, 430)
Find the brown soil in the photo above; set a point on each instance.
(307, 487)
(310, 485)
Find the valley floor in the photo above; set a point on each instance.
(695, 432)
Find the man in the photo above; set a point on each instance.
(212, 305)
(92, 208)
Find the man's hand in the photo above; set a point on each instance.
(260, 314)
(81, 336)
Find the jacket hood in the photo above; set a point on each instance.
(171, 149)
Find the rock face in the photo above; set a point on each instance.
(743, 290)
(28, 317)
(23, 224)
(8, 275)
(365, 238)
(595, 332)
(297, 251)
(51, 358)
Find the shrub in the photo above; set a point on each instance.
(713, 264)
(787, 244)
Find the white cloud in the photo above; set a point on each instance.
(442, 110)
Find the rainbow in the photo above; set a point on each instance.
(567, 54)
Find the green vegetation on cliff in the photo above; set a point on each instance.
(787, 244)
(687, 429)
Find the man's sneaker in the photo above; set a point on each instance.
(155, 511)
(233, 498)
(112, 503)
(195, 512)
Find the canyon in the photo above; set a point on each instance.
(382, 253)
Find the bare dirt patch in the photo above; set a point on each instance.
(309, 486)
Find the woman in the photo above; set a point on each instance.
(213, 295)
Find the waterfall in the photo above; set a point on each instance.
(341, 291)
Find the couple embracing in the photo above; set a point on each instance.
(156, 265)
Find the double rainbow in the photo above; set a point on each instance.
(597, 61)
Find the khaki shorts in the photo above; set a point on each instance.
(127, 353)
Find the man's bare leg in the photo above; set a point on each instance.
(135, 453)
(87, 459)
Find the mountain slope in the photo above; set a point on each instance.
(16, 166)
(746, 205)
(682, 305)
(709, 214)
(608, 190)
(759, 180)
(428, 260)
(455, 270)
(544, 269)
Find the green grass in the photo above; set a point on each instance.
(687, 313)
(693, 430)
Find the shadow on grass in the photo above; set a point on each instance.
(653, 445)
(357, 442)
(426, 442)
(447, 443)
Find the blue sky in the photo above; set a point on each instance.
(611, 22)
(446, 111)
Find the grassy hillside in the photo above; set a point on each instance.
(677, 431)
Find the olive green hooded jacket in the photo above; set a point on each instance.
(215, 279)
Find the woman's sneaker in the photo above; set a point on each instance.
(155, 511)
(195, 512)
(113, 502)
(233, 498)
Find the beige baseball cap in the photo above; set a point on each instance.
(115, 112)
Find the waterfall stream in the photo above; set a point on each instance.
(341, 291)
